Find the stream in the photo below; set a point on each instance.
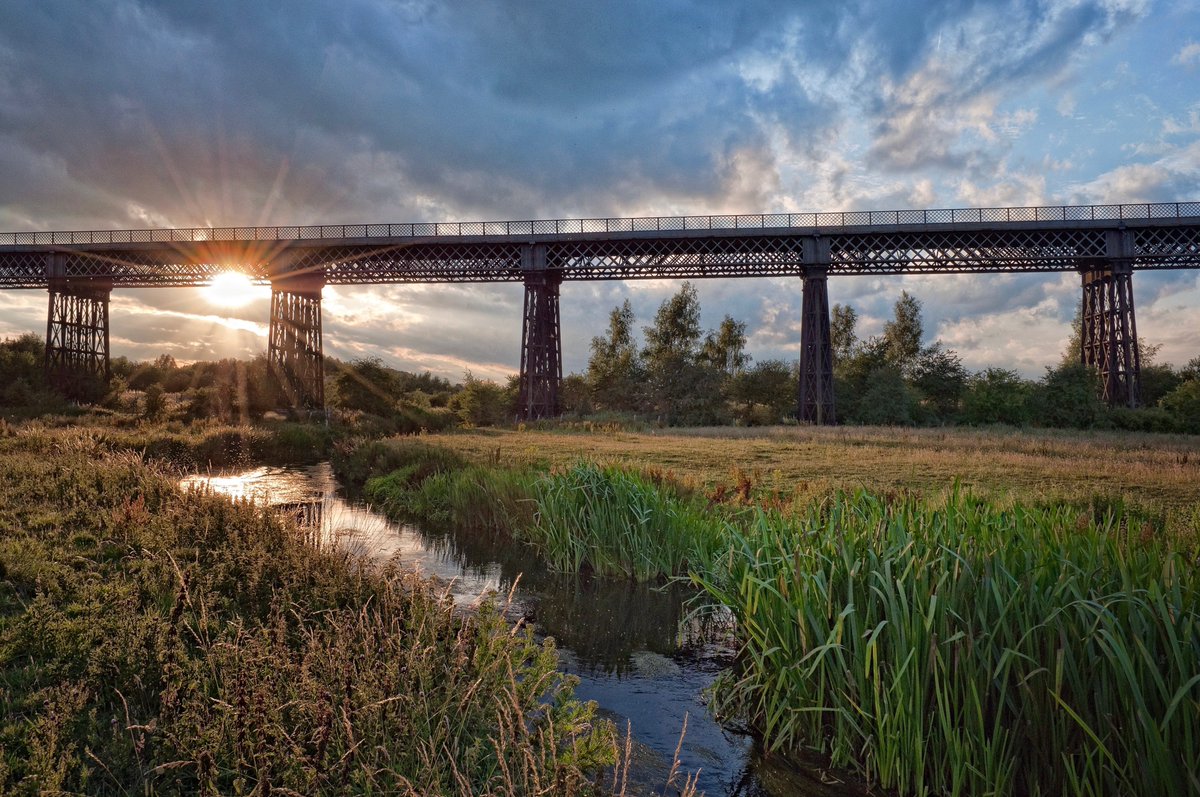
(632, 646)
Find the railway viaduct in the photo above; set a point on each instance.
(1104, 244)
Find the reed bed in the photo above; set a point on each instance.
(617, 522)
(955, 648)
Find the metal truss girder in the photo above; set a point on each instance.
(627, 253)
(541, 347)
(1108, 341)
(294, 347)
(77, 338)
(815, 395)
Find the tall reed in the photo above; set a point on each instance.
(618, 522)
(960, 649)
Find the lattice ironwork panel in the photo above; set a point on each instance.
(677, 257)
(23, 269)
(955, 251)
(166, 268)
(433, 262)
(1167, 247)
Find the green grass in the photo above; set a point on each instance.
(954, 648)
(166, 643)
(939, 643)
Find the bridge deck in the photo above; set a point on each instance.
(1150, 236)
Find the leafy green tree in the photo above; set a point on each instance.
(764, 393)
(1068, 396)
(725, 347)
(674, 375)
(482, 402)
(1157, 382)
(852, 376)
(22, 377)
(842, 336)
(615, 373)
(938, 374)
(887, 400)
(153, 402)
(1183, 404)
(366, 385)
(1191, 370)
(997, 395)
(903, 333)
(574, 395)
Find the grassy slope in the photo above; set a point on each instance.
(163, 643)
(1157, 471)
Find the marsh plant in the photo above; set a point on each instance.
(954, 648)
(163, 642)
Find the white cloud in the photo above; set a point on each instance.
(1188, 55)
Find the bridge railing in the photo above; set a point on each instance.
(755, 221)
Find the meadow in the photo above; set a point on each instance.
(944, 612)
(162, 642)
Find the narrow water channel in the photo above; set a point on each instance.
(629, 644)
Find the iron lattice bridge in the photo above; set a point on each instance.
(1103, 243)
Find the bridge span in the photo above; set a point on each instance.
(1105, 244)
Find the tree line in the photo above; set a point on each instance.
(678, 374)
(682, 375)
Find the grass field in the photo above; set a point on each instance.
(945, 612)
(1154, 471)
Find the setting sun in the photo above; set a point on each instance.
(233, 289)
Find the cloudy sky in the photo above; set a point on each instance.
(127, 113)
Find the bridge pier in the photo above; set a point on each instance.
(815, 402)
(294, 348)
(541, 344)
(77, 352)
(1108, 341)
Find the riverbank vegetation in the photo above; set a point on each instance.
(154, 641)
(939, 643)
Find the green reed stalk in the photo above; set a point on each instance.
(961, 649)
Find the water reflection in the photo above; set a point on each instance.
(632, 646)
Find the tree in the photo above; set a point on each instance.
(1068, 396)
(366, 385)
(888, 400)
(764, 393)
(852, 376)
(574, 395)
(1191, 371)
(670, 355)
(997, 395)
(482, 402)
(1183, 404)
(725, 347)
(615, 369)
(939, 375)
(903, 333)
(842, 320)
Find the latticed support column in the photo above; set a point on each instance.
(77, 355)
(1109, 336)
(541, 346)
(294, 348)
(816, 403)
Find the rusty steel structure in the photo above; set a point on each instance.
(1104, 243)
(295, 350)
(541, 348)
